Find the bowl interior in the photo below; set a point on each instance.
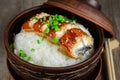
(14, 26)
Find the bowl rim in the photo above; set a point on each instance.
(6, 34)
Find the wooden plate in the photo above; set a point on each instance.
(95, 75)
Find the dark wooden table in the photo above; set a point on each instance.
(9, 8)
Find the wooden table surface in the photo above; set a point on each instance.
(10, 8)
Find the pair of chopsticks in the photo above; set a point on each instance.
(109, 58)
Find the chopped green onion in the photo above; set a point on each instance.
(35, 18)
(48, 24)
(11, 46)
(53, 17)
(74, 21)
(44, 18)
(50, 18)
(63, 20)
(60, 17)
(22, 54)
(56, 15)
(28, 59)
(57, 29)
(43, 38)
(45, 23)
(55, 22)
(68, 20)
(53, 26)
(32, 50)
(47, 30)
(55, 40)
(38, 41)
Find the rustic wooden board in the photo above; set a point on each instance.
(112, 9)
(9, 8)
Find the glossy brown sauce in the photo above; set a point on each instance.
(38, 27)
(51, 34)
(69, 38)
(26, 26)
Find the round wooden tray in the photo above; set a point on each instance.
(94, 75)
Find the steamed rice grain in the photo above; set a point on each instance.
(45, 53)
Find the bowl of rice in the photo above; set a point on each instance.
(50, 43)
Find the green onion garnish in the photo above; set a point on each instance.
(47, 30)
(45, 23)
(38, 41)
(35, 18)
(44, 18)
(57, 29)
(32, 50)
(28, 59)
(74, 21)
(43, 38)
(22, 54)
(55, 40)
(11, 46)
(50, 18)
(48, 24)
(55, 22)
(60, 18)
(53, 26)
(68, 20)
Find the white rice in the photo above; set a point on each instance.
(45, 54)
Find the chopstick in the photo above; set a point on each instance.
(109, 60)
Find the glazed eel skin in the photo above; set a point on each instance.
(73, 41)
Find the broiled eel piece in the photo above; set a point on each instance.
(75, 42)
(63, 28)
(28, 25)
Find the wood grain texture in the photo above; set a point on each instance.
(112, 9)
(10, 8)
